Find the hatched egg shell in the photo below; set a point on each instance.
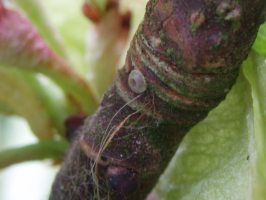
(137, 82)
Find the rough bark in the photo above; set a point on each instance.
(182, 62)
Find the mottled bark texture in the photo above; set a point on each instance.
(182, 61)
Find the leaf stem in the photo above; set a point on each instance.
(39, 17)
(39, 151)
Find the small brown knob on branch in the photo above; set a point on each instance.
(121, 180)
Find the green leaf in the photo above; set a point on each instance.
(255, 71)
(49, 96)
(18, 95)
(260, 43)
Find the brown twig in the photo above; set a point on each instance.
(182, 62)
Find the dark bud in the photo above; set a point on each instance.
(112, 4)
(72, 124)
(121, 180)
(91, 13)
(2, 8)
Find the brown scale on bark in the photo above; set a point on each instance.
(182, 62)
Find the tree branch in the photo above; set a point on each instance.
(182, 62)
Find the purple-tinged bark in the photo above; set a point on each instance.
(182, 62)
